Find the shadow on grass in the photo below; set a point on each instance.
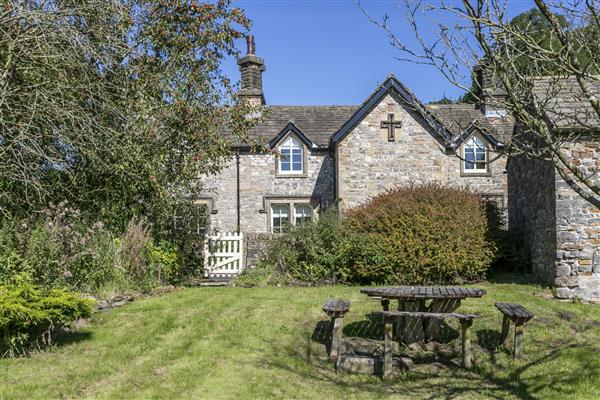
(448, 380)
(64, 337)
(508, 277)
(59, 339)
(372, 327)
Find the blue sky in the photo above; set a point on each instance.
(327, 52)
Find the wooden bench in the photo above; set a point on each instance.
(518, 315)
(466, 320)
(336, 309)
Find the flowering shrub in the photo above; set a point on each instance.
(57, 249)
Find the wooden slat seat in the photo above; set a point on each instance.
(424, 314)
(336, 309)
(514, 311)
(519, 315)
(466, 320)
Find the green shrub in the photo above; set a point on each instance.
(166, 260)
(306, 254)
(62, 250)
(417, 235)
(412, 235)
(14, 268)
(29, 315)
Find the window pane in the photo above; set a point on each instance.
(469, 156)
(291, 156)
(191, 219)
(285, 160)
(303, 213)
(280, 214)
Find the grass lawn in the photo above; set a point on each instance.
(257, 343)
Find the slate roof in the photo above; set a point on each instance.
(317, 123)
(323, 124)
(565, 104)
(459, 117)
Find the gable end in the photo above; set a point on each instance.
(293, 129)
(391, 85)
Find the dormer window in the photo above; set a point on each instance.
(291, 159)
(475, 156)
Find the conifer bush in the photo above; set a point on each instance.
(29, 315)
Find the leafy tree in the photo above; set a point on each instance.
(114, 105)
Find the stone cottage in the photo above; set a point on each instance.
(315, 157)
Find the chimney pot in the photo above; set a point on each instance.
(250, 45)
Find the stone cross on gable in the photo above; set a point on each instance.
(390, 124)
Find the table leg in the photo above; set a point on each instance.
(505, 329)
(465, 324)
(433, 325)
(518, 345)
(336, 338)
(388, 347)
(385, 303)
(411, 330)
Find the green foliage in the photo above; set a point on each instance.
(166, 259)
(533, 25)
(29, 315)
(307, 254)
(418, 235)
(113, 104)
(13, 266)
(409, 235)
(59, 249)
(55, 250)
(443, 100)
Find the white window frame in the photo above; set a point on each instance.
(291, 205)
(472, 143)
(272, 215)
(290, 143)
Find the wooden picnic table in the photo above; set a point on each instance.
(443, 299)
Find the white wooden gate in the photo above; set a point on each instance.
(223, 255)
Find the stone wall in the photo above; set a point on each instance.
(256, 245)
(560, 229)
(368, 163)
(259, 182)
(532, 213)
(578, 230)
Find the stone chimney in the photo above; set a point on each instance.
(251, 68)
(491, 94)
